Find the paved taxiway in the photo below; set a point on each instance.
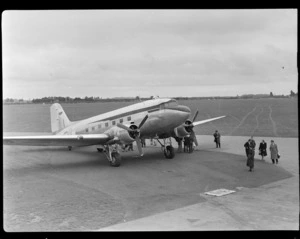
(52, 189)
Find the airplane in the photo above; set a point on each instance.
(160, 118)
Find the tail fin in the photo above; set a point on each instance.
(59, 119)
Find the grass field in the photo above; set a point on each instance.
(258, 117)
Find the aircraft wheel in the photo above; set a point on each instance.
(169, 152)
(69, 148)
(116, 159)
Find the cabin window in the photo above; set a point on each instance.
(121, 120)
(99, 126)
(129, 118)
(113, 122)
(86, 130)
(106, 124)
(93, 128)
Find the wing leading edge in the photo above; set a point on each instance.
(58, 140)
(207, 120)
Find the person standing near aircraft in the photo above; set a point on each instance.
(274, 152)
(263, 149)
(143, 142)
(186, 142)
(252, 144)
(152, 142)
(130, 147)
(217, 139)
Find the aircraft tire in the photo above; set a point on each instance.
(169, 152)
(116, 159)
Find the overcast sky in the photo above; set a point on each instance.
(111, 53)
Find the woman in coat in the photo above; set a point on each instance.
(274, 152)
(247, 145)
(263, 149)
(250, 160)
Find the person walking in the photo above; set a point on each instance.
(217, 140)
(247, 146)
(274, 152)
(252, 143)
(263, 149)
(250, 159)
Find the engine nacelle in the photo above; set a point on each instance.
(181, 132)
(124, 137)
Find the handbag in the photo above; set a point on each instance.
(278, 155)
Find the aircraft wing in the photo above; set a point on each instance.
(207, 120)
(58, 140)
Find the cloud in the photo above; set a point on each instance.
(92, 51)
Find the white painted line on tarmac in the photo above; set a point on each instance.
(219, 192)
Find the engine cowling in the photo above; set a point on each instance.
(181, 131)
(124, 136)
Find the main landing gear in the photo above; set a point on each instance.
(167, 148)
(112, 154)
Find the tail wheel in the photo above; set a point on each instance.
(115, 159)
(169, 152)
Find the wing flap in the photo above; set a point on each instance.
(57, 140)
(207, 120)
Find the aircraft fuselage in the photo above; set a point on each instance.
(164, 115)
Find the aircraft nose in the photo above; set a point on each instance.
(183, 113)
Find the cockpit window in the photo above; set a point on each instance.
(171, 103)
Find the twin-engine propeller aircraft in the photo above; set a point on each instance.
(157, 118)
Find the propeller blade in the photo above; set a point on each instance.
(143, 121)
(195, 116)
(194, 137)
(124, 127)
(195, 140)
(139, 145)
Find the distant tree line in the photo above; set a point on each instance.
(86, 99)
(61, 99)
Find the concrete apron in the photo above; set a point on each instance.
(273, 206)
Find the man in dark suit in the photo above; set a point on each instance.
(217, 139)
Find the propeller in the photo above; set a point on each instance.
(189, 127)
(134, 132)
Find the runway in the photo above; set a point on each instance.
(53, 189)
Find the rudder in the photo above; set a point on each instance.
(59, 119)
